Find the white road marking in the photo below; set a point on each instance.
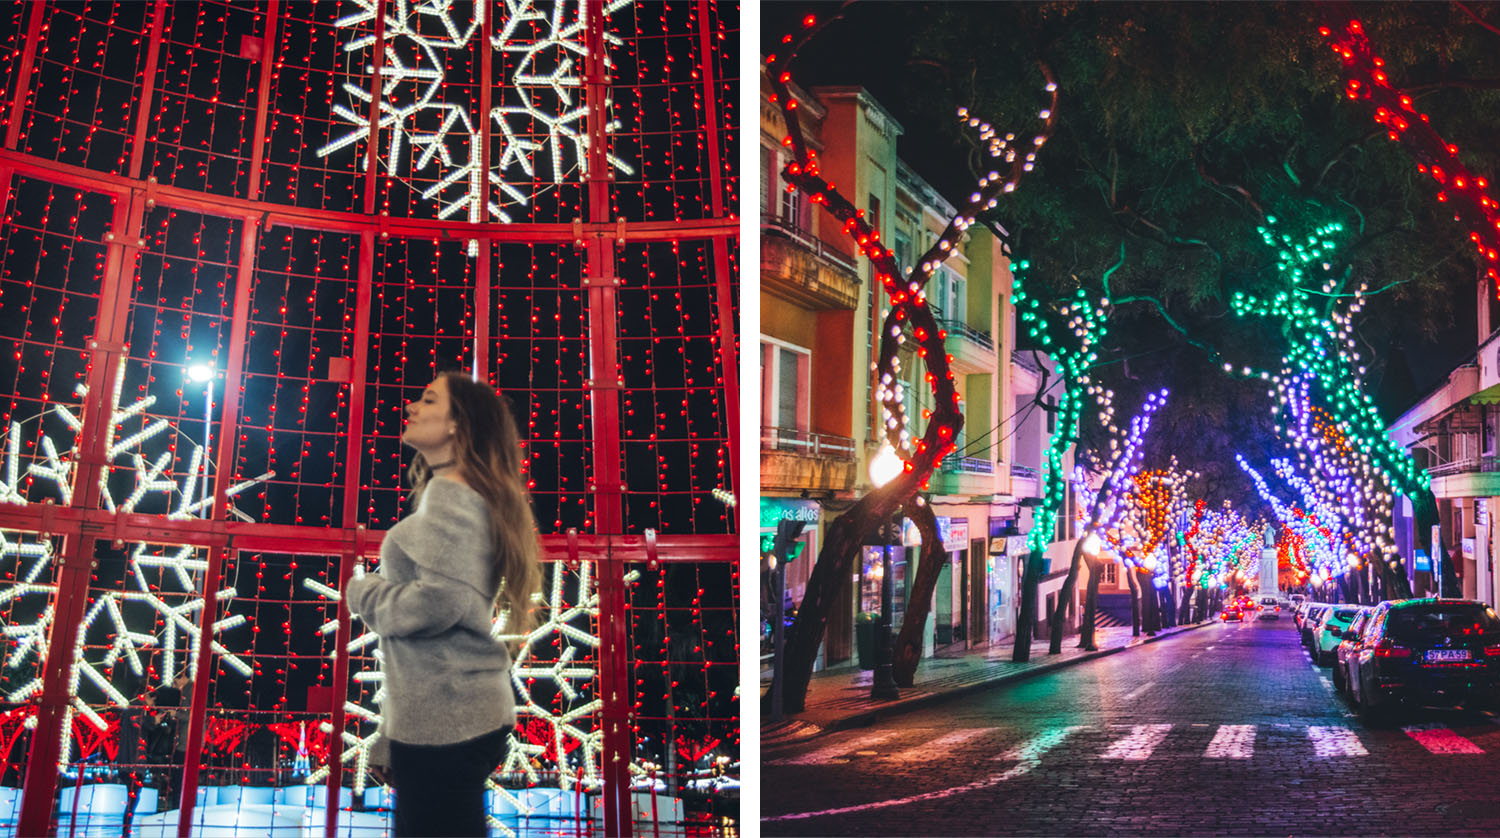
(1232, 742)
(938, 748)
(830, 752)
(1441, 740)
(1028, 754)
(1335, 742)
(1136, 693)
(1142, 740)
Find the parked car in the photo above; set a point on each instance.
(1270, 609)
(1310, 618)
(1348, 648)
(1300, 613)
(1427, 652)
(1329, 630)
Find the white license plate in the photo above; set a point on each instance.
(1448, 655)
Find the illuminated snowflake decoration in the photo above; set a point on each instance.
(176, 598)
(568, 623)
(538, 116)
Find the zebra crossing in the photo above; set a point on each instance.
(1137, 743)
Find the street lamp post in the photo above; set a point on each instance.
(884, 468)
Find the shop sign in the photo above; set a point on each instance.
(957, 536)
(773, 510)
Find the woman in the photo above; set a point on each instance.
(469, 549)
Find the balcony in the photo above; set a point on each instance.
(964, 476)
(793, 459)
(1466, 478)
(801, 268)
(1025, 482)
(973, 351)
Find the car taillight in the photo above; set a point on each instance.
(1492, 651)
(1387, 649)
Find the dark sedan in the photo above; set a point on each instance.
(1426, 652)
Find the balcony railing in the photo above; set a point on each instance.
(1469, 464)
(808, 443)
(1026, 472)
(964, 330)
(807, 240)
(968, 465)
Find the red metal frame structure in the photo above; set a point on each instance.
(597, 233)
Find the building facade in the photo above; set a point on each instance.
(1451, 432)
(821, 313)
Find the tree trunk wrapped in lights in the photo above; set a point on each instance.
(1104, 508)
(909, 314)
(1073, 353)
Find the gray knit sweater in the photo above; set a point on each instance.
(446, 679)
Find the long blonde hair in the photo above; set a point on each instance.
(487, 446)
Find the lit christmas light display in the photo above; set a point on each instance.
(1315, 542)
(1141, 533)
(1221, 544)
(570, 743)
(1345, 458)
(1070, 336)
(170, 209)
(167, 581)
(1367, 80)
(542, 131)
(909, 314)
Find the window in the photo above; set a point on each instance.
(789, 209)
(794, 209)
(950, 296)
(1110, 575)
(903, 253)
(785, 402)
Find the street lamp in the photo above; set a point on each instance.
(885, 466)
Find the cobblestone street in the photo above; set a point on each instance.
(1228, 730)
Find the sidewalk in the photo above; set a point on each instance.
(840, 698)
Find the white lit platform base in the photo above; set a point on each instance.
(297, 811)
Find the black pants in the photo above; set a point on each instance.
(440, 788)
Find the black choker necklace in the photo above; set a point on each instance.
(439, 466)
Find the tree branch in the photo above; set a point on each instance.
(1476, 18)
(1162, 310)
(1286, 165)
(1465, 84)
(1339, 155)
(1233, 187)
(1115, 267)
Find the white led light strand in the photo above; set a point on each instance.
(177, 610)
